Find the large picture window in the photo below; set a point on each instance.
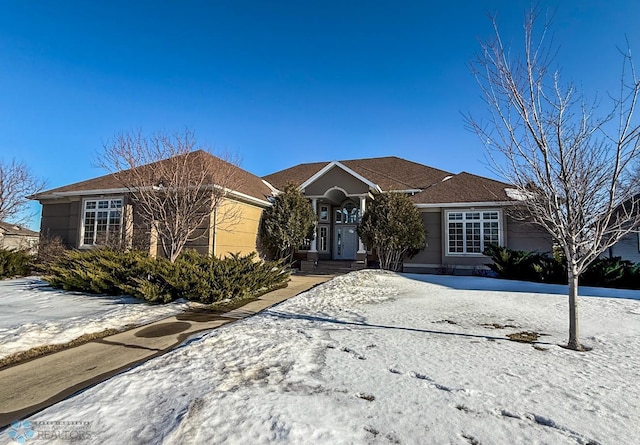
(470, 232)
(101, 221)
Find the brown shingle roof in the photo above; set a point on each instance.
(463, 187)
(242, 180)
(393, 173)
(390, 173)
(295, 175)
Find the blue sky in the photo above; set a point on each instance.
(279, 82)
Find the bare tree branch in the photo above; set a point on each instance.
(173, 187)
(17, 182)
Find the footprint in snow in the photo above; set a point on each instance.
(354, 353)
(419, 376)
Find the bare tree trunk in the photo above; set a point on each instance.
(573, 309)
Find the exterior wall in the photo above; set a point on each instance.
(336, 177)
(236, 228)
(200, 238)
(627, 248)
(429, 259)
(522, 235)
(17, 242)
(62, 219)
(434, 259)
(515, 234)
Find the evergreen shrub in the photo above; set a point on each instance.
(392, 225)
(287, 223)
(14, 263)
(192, 276)
(533, 266)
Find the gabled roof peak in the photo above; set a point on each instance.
(388, 173)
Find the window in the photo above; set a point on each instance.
(324, 213)
(470, 232)
(101, 221)
(323, 239)
(349, 214)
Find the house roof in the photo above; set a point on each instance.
(389, 173)
(242, 181)
(464, 187)
(9, 229)
(432, 186)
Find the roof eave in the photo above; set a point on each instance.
(114, 191)
(466, 204)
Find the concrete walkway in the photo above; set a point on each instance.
(34, 385)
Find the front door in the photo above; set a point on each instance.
(345, 243)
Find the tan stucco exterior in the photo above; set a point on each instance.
(235, 229)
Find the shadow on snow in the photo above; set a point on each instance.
(500, 285)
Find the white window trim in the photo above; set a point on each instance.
(481, 220)
(83, 210)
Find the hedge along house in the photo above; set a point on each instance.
(462, 213)
(102, 210)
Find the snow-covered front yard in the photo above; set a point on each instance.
(33, 314)
(374, 357)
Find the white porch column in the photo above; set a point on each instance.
(314, 247)
(363, 207)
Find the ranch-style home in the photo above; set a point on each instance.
(461, 213)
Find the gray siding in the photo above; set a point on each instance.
(432, 253)
(336, 177)
(522, 235)
(61, 219)
(516, 235)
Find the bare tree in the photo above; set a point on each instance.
(17, 182)
(569, 164)
(176, 189)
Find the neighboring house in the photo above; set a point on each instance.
(461, 212)
(15, 237)
(628, 248)
(85, 213)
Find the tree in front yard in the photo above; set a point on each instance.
(287, 223)
(174, 187)
(17, 182)
(393, 227)
(570, 164)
